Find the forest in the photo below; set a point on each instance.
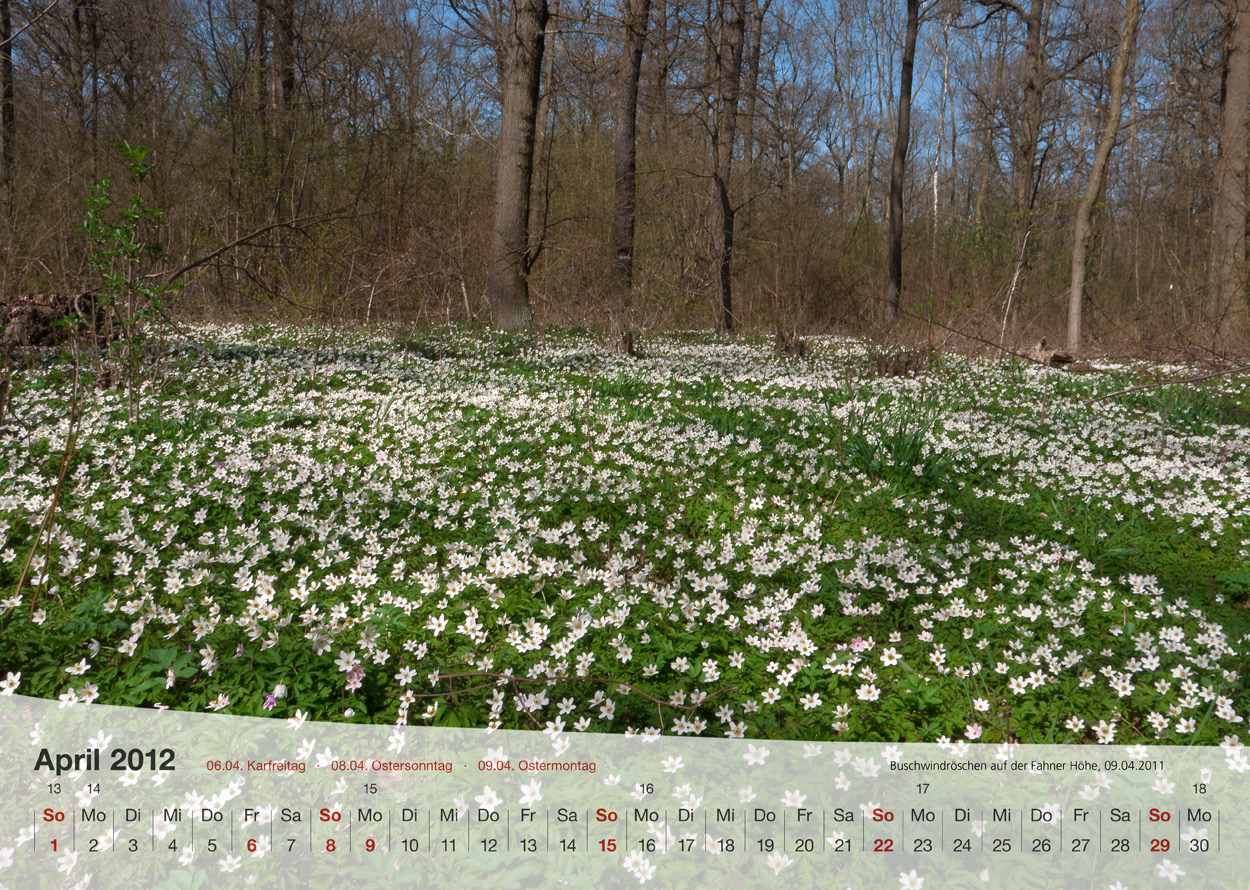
(958, 173)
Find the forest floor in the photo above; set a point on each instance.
(470, 529)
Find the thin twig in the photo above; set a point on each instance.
(1011, 291)
(999, 346)
(1119, 392)
(514, 680)
(516, 690)
(47, 9)
(67, 458)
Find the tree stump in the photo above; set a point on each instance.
(788, 345)
(1051, 358)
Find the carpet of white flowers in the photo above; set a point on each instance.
(476, 530)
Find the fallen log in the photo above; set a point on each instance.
(1053, 358)
(35, 321)
(789, 345)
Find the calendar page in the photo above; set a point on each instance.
(98, 796)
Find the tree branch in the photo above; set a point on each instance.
(239, 242)
(993, 10)
(1119, 392)
(47, 9)
(515, 680)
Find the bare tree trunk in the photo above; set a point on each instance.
(1081, 227)
(1228, 261)
(8, 125)
(93, 37)
(724, 134)
(941, 127)
(284, 53)
(77, 76)
(544, 126)
(1031, 109)
(1026, 178)
(986, 159)
(759, 9)
(260, 36)
(507, 289)
(655, 99)
(898, 164)
(286, 200)
(635, 14)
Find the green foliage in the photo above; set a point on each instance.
(121, 242)
(820, 552)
